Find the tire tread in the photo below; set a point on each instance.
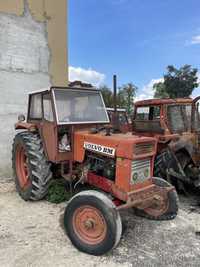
(39, 167)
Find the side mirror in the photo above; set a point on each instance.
(21, 118)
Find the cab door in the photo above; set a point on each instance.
(49, 128)
(196, 125)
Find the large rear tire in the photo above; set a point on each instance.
(92, 222)
(167, 210)
(31, 170)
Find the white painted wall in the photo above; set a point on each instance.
(24, 67)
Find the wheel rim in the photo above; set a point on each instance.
(158, 209)
(22, 167)
(89, 225)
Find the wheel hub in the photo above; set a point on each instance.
(22, 167)
(89, 225)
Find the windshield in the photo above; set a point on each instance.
(148, 113)
(179, 117)
(79, 106)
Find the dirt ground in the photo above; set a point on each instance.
(31, 236)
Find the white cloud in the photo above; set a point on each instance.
(196, 92)
(195, 39)
(198, 74)
(86, 75)
(147, 91)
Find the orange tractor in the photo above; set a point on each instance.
(67, 132)
(175, 123)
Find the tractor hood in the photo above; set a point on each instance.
(116, 145)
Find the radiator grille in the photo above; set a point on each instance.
(143, 148)
(141, 170)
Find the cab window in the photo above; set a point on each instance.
(148, 113)
(47, 107)
(35, 112)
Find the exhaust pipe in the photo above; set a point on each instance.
(115, 92)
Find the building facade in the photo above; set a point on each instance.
(33, 55)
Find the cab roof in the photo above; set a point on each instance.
(47, 89)
(158, 101)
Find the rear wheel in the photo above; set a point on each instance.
(167, 209)
(92, 222)
(31, 170)
(165, 161)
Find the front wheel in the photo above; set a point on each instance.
(92, 222)
(167, 209)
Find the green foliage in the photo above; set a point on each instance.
(180, 82)
(57, 192)
(177, 82)
(160, 90)
(125, 96)
(127, 93)
(107, 95)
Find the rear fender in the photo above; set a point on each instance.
(182, 145)
(25, 126)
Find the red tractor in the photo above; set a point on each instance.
(175, 123)
(66, 134)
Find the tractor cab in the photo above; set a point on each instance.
(57, 112)
(163, 117)
(176, 125)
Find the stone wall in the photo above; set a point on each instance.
(30, 59)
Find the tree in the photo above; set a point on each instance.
(107, 95)
(180, 82)
(160, 90)
(126, 96)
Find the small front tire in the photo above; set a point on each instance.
(92, 222)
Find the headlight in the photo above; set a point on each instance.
(146, 173)
(134, 177)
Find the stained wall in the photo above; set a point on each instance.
(33, 55)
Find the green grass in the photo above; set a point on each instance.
(58, 192)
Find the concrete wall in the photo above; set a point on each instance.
(33, 55)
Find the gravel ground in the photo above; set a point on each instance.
(31, 235)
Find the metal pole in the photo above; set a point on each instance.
(115, 92)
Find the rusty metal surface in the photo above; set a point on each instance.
(25, 125)
(184, 139)
(163, 101)
(146, 197)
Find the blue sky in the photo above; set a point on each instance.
(136, 39)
